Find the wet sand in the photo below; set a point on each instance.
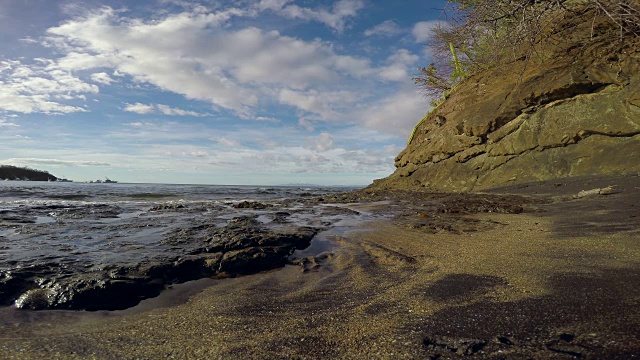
(559, 280)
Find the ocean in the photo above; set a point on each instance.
(63, 244)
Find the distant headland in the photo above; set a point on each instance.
(9, 172)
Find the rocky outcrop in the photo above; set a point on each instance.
(243, 246)
(576, 112)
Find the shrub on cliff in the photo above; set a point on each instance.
(486, 33)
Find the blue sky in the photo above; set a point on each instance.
(212, 92)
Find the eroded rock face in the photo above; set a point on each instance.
(576, 113)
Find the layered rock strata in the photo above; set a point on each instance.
(575, 112)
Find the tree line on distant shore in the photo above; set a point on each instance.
(10, 172)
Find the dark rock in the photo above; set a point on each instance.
(443, 345)
(249, 247)
(505, 340)
(36, 299)
(246, 232)
(280, 217)
(88, 292)
(566, 337)
(18, 219)
(252, 205)
(243, 246)
(312, 262)
(167, 207)
(254, 259)
(91, 211)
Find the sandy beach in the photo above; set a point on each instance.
(444, 278)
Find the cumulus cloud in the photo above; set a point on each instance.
(326, 105)
(140, 108)
(196, 54)
(324, 142)
(423, 30)
(386, 28)
(306, 124)
(396, 114)
(193, 54)
(102, 78)
(27, 40)
(399, 62)
(36, 88)
(335, 18)
(272, 4)
(279, 152)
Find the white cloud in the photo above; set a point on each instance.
(386, 28)
(272, 4)
(327, 105)
(392, 149)
(398, 64)
(199, 154)
(5, 123)
(335, 18)
(226, 142)
(192, 54)
(28, 40)
(266, 118)
(137, 124)
(306, 124)
(139, 108)
(281, 150)
(102, 78)
(54, 162)
(422, 31)
(34, 88)
(324, 142)
(167, 110)
(196, 54)
(396, 114)
(145, 109)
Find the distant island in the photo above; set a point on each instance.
(9, 172)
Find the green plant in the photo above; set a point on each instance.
(439, 86)
(488, 33)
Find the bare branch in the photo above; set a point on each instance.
(486, 33)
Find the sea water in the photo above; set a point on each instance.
(96, 224)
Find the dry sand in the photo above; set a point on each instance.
(560, 280)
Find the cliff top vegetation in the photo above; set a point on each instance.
(9, 172)
(483, 34)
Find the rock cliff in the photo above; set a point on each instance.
(573, 109)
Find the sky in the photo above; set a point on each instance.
(251, 92)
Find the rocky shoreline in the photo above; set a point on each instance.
(538, 271)
(188, 243)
